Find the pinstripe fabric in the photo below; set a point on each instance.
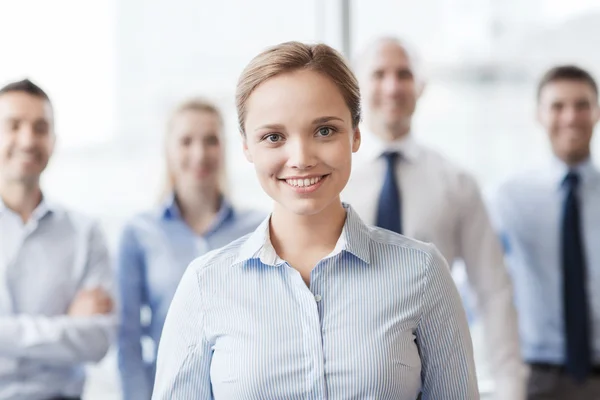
(380, 320)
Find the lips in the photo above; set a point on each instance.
(304, 182)
(305, 185)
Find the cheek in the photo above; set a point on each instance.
(340, 158)
(267, 162)
(410, 90)
(178, 159)
(551, 123)
(586, 120)
(47, 147)
(214, 155)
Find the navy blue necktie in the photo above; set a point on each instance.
(576, 310)
(390, 206)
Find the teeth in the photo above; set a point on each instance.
(303, 182)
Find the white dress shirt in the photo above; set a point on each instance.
(381, 319)
(442, 204)
(43, 265)
(528, 210)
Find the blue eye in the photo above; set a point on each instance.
(272, 137)
(325, 131)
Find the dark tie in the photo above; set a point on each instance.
(576, 311)
(389, 207)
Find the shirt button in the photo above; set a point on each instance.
(318, 297)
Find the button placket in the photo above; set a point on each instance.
(316, 289)
(311, 329)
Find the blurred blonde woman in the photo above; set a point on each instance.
(156, 246)
(314, 304)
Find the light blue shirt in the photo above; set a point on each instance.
(44, 263)
(381, 320)
(528, 213)
(154, 251)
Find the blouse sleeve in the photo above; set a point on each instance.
(443, 338)
(184, 355)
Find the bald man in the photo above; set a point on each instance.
(403, 186)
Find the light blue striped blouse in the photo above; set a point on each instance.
(381, 319)
(154, 251)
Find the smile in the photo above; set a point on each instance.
(304, 182)
(305, 185)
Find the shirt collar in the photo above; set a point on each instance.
(586, 170)
(45, 207)
(374, 147)
(354, 240)
(170, 211)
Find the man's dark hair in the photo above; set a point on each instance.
(567, 73)
(25, 86)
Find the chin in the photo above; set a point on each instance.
(29, 171)
(203, 183)
(305, 207)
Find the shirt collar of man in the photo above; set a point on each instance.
(45, 207)
(374, 147)
(586, 170)
(354, 240)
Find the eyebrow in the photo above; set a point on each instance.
(317, 121)
(270, 127)
(323, 120)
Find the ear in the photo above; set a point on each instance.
(356, 140)
(245, 148)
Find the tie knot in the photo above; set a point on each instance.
(572, 180)
(391, 157)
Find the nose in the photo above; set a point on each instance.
(198, 151)
(301, 154)
(391, 84)
(26, 137)
(569, 115)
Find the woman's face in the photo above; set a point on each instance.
(299, 135)
(194, 150)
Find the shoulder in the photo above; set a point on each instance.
(67, 219)
(249, 217)
(450, 172)
(413, 265)
(387, 246)
(217, 267)
(521, 186)
(144, 219)
(522, 197)
(218, 261)
(141, 222)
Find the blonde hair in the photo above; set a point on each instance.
(292, 56)
(196, 105)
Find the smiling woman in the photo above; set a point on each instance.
(314, 303)
(306, 145)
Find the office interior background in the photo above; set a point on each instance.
(115, 68)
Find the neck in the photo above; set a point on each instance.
(293, 234)
(20, 197)
(198, 208)
(573, 160)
